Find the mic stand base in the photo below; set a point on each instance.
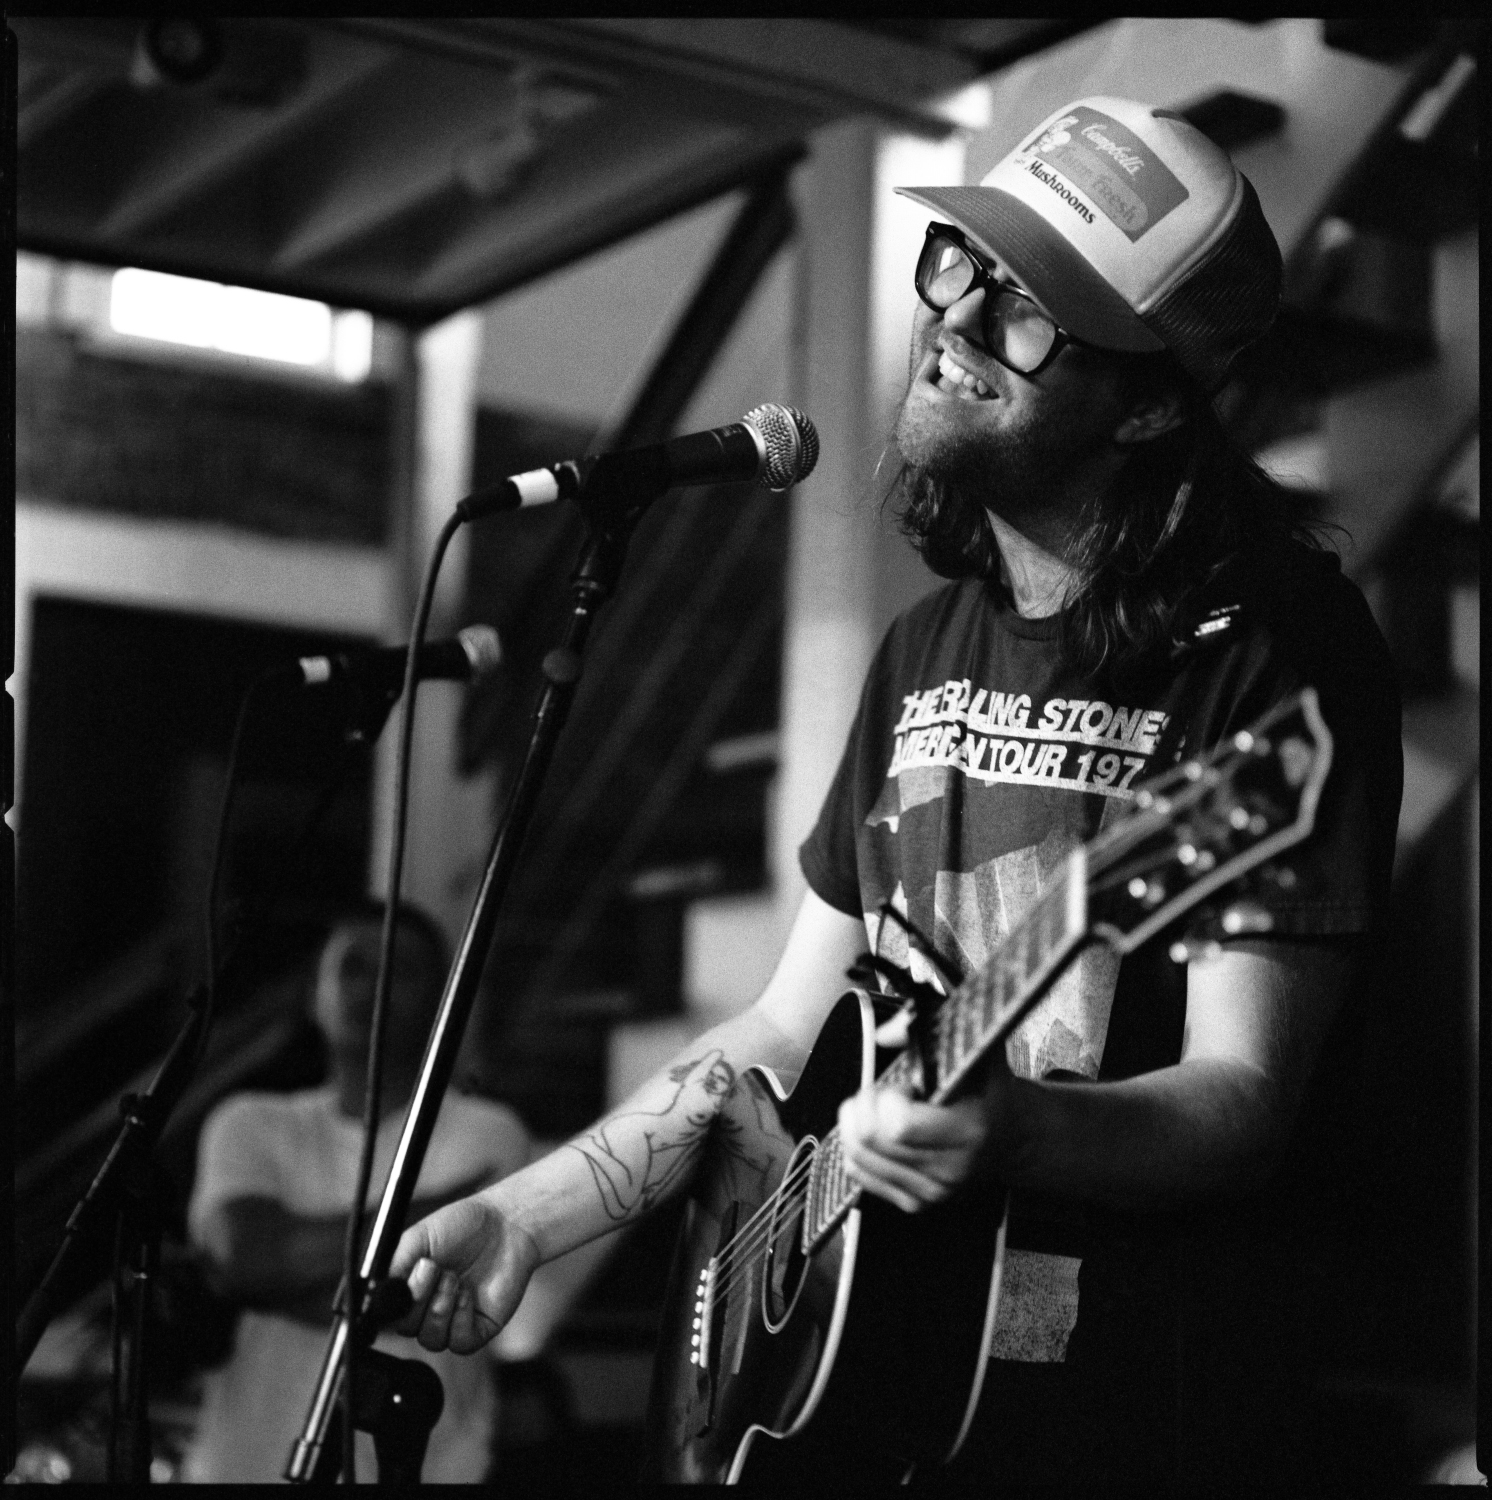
(399, 1401)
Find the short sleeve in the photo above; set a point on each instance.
(827, 855)
(235, 1157)
(924, 639)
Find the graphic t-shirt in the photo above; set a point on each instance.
(978, 762)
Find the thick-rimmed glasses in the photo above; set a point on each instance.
(1013, 329)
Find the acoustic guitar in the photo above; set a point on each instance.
(811, 1332)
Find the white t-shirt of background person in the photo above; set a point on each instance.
(301, 1151)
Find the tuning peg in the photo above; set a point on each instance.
(1194, 949)
(1246, 916)
(1151, 891)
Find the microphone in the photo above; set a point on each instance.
(471, 653)
(776, 444)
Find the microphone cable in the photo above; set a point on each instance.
(217, 965)
(371, 1098)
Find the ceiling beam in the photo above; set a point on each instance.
(459, 41)
(51, 104)
(815, 67)
(376, 168)
(587, 207)
(204, 148)
(843, 68)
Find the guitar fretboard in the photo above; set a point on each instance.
(979, 1014)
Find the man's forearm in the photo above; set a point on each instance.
(1201, 1128)
(644, 1151)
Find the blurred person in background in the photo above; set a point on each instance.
(275, 1179)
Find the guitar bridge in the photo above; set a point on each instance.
(704, 1316)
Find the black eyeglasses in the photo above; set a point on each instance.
(1014, 330)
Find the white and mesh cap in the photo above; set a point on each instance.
(1132, 230)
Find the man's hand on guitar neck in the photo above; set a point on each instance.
(914, 1154)
(1209, 1125)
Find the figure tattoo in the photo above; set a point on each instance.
(631, 1177)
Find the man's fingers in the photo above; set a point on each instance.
(421, 1281)
(908, 1193)
(463, 1335)
(906, 1186)
(407, 1253)
(908, 1152)
(904, 1127)
(435, 1330)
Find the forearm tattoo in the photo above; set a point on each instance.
(633, 1168)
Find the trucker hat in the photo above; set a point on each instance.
(1132, 230)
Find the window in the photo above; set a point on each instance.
(237, 320)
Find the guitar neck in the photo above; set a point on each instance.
(979, 1015)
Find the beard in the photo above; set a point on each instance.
(949, 529)
(950, 479)
(1016, 471)
(1033, 469)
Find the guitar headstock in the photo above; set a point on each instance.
(1208, 822)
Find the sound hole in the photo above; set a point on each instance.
(786, 1265)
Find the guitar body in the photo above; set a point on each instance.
(855, 1363)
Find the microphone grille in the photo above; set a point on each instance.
(791, 442)
(483, 647)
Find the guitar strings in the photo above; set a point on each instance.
(756, 1233)
(750, 1242)
(750, 1254)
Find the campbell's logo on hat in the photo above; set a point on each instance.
(1056, 135)
(1110, 165)
(1132, 229)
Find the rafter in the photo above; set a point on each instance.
(793, 59)
(582, 202)
(818, 67)
(201, 150)
(379, 166)
(52, 104)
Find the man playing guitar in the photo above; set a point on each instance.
(1127, 588)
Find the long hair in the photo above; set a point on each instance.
(1186, 508)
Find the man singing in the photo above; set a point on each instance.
(1127, 589)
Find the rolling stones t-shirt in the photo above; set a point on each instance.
(977, 763)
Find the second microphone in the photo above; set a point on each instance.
(470, 654)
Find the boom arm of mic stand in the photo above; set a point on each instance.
(593, 581)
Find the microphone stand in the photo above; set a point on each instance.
(612, 511)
